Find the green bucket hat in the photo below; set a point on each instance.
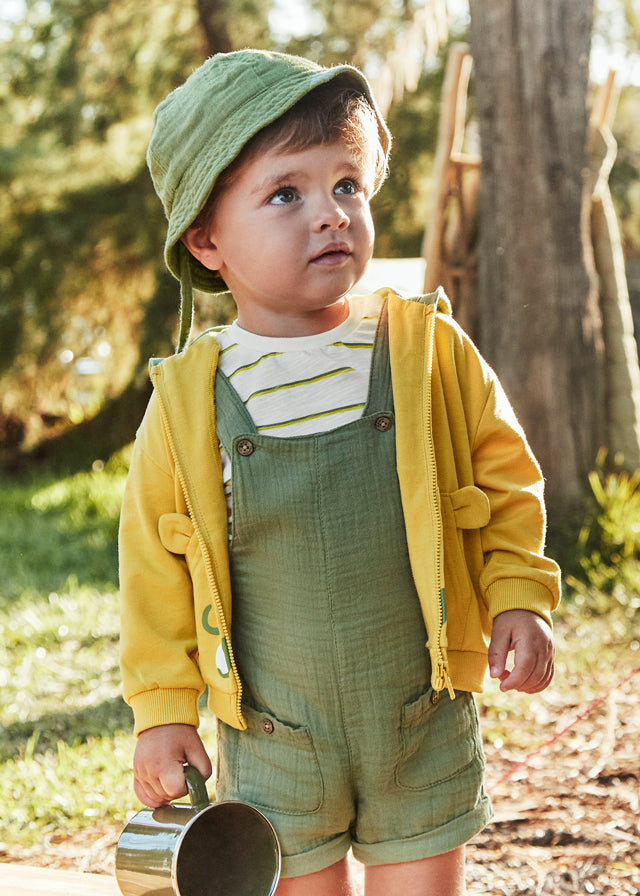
(202, 126)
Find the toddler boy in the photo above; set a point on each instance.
(331, 509)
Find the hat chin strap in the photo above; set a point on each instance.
(186, 297)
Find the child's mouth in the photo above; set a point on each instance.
(333, 254)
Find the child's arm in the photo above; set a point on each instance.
(158, 762)
(158, 637)
(530, 638)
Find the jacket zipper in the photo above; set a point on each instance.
(213, 587)
(441, 677)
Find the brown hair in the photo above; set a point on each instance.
(331, 112)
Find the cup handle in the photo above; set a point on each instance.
(196, 787)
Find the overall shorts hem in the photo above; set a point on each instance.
(316, 859)
(432, 843)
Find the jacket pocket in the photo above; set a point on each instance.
(439, 740)
(273, 764)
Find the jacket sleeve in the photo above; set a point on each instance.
(161, 679)
(516, 573)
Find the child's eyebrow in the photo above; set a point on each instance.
(277, 179)
(286, 176)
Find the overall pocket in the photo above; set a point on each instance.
(439, 739)
(272, 765)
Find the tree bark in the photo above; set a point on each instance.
(539, 323)
(213, 16)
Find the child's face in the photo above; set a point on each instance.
(291, 235)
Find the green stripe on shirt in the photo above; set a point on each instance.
(254, 363)
(293, 421)
(295, 383)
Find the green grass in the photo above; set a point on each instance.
(65, 743)
(65, 733)
(58, 534)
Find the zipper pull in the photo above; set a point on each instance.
(442, 679)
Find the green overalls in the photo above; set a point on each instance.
(342, 747)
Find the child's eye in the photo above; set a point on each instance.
(347, 186)
(283, 196)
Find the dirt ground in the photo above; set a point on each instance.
(567, 819)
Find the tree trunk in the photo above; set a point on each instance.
(538, 322)
(213, 17)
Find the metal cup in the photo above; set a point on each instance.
(203, 849)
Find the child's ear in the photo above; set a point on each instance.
(197, 240)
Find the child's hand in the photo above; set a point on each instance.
(529, 636)
(158, 762)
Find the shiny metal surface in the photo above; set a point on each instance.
(219, 849)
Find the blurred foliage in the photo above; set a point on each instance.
(360, 31)
(617, 32)
(624, 179)
(79, 223)
(84, 295)
(400, 209)
(616, 27)
(607, 559)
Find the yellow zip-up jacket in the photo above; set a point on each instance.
(472, 497)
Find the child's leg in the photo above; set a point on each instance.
(332, 881)
(442, 875)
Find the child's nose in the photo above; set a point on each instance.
(330, 216)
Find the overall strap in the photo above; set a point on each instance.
(380, 396)
(232, 417)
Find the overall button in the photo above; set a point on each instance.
(267, 726)
(383, 423)
(245, 447)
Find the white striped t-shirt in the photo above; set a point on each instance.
(300, 385)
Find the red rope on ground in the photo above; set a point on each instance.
(547, 743)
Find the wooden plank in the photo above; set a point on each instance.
(450, 138)
(24, 880)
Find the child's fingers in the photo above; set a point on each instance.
(532, 671)
(525, 674)
(530, 639)
(158, 762)
(158, 784)
(148, 796)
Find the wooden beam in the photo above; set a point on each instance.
(450, 139)
(24, 880)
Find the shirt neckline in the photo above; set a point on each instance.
(300, 343)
